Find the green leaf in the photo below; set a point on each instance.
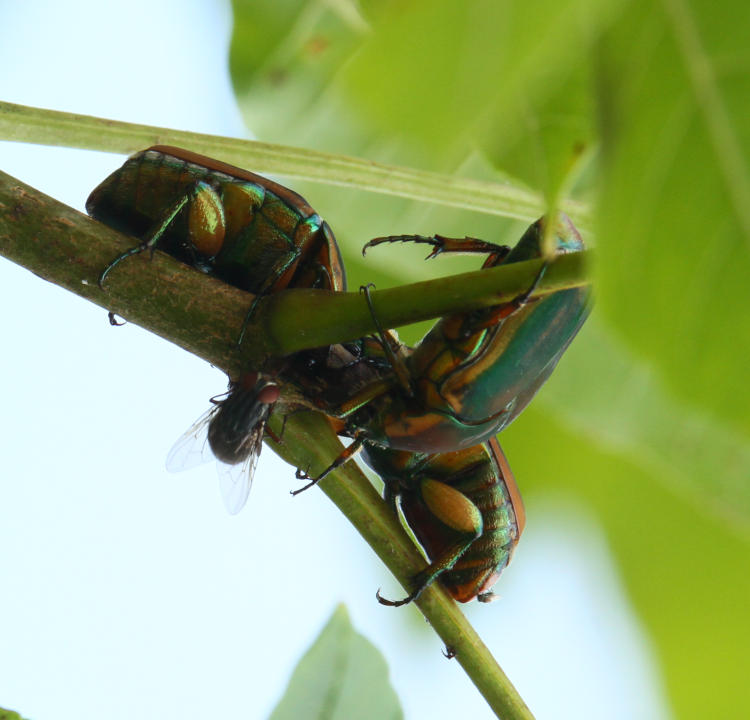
(505, 75)
(341, 676)
(679, 446)
(9, 715)
(684, 568)
(425, 82)
(646, 419)
(674, 218)
(283, 54)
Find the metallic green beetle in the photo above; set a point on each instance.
(249, 232)
(463, 507)
(474, 372)
(241, 227)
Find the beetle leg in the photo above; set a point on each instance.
(276, 438)
(423, 579)
(494, 315)
(346, 455)
(441, 244)
(507, 309)
(399, 367)
(391, 492)
(211, 206)
(267, 289)
(455, 511)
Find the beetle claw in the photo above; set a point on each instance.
(395, 603)
(113, 320)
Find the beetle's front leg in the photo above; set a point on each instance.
(346, 455)
(395, 360)
(442, 244)
(496, 314)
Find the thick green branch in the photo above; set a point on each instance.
(203, 315)
(51, 127)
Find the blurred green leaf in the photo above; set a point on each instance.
(9, 715)
(425, 82)
(555, 141)
(677, 444)
(283, 55)
(674, 218)
(646, 419)
(506, 76)
(341, 676)
(684, 568)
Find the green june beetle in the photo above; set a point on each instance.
(474, 372)
(249, 232)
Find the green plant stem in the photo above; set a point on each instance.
(309, 441)
(66, 247)
(51, 127)
(289, 331)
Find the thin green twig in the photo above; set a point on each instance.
(51, 127)
(45, 236)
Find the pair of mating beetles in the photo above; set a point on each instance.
(425, 418)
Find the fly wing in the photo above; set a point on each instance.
(192, 448)
(236, 480)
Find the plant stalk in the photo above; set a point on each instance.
(21, 123)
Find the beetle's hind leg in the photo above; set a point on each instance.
(422, 580)
(204, 202)
(488, 317)
(448, 510)
(442, 244)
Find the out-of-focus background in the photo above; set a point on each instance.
(124, 587)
